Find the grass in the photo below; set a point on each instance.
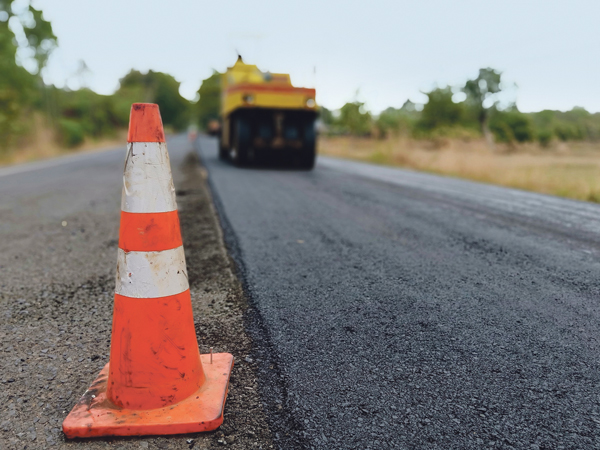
(571, 170)
(42, 144)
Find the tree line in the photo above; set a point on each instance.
(476, 113)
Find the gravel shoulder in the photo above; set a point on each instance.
(57, 257)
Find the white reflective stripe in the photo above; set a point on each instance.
(151, 274)
(147, 181)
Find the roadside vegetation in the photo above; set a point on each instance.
(39, 120)
(465, 131)
(471, 111)
(468, 131)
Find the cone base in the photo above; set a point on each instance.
(95, 415)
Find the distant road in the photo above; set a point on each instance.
(394, 309)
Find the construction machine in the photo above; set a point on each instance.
(263, 114)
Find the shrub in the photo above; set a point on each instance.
(208, 107)
(512, 126)
(441, 111)
(568, 132)
(396, 121)
(544, 137)
(71, 132)
(354, 119)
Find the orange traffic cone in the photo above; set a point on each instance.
(156, 381)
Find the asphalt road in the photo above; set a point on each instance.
(393, 309)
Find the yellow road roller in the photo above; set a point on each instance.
(263, 115)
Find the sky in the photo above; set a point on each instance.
(381, 52)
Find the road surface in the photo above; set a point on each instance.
(58, 251)
(393, 309)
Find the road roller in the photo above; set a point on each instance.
(264, 116)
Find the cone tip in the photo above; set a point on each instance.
(145, 124)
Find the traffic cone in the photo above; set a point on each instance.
(156, 381)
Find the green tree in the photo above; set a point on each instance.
(440, 110)
(208, 106)
(154, 87)
(30, 31)
(568, 132)
(576, 124)
(174, 109)
(355, 119)
(512, 126)
(86, 113)
(389, 120)
(544, 137)
(481, 97)
(326, 116)
(579, 124)
(393, 120)
(21, 27)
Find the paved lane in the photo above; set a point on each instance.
(402, 310)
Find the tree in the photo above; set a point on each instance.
(174, 109)
(512, 126)
(440, 110)
(18, 86)
(354, 119)
(393, 120)
(155, 87)
(409, 107)
(326, 116)
(208, 106)
(31, 32)
(480, 92)
(389, 120)
(94, 114)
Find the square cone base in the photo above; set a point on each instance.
(95, 415)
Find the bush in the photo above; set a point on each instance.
(208, 107)
(574, 125)
(544, 137)
(155, 87)
(441, 111)
(71, 132)
(455, 132)
(354, 119)
(511, 126)
(96, 114)
(567, 132)
(395, 121)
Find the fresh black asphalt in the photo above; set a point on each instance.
(393, 309)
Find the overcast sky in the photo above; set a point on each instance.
(379, 51)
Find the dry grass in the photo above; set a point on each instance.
(42, 144)
(565, 170)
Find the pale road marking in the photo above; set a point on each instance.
(147, 181)
(58, 161)
(151, 274)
